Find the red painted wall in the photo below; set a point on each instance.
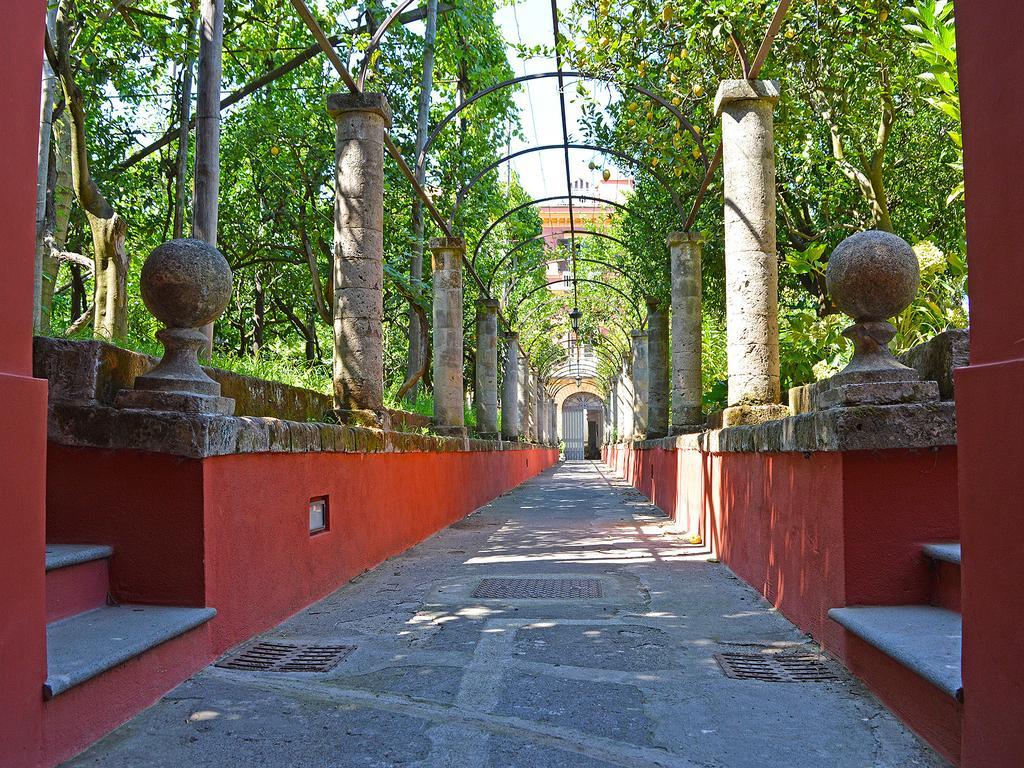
(22, 450)
(232, 532)
(817, 531)
(148, 507)
(257, 535)
(990, 392)
(190, 532)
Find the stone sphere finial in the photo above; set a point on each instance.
(873, 275)
(186, 283)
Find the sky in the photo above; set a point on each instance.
(542, 173)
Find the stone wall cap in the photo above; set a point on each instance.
(377, 103)
(439, 243)
(745, 90)
(677, 238)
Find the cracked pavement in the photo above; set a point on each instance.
(439, 677)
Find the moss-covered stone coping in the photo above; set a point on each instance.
(862, 428)
(85, 376)
(203, 436)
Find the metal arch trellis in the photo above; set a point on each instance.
(617, 269)
(520, 320)
(659, 177)
(536, 238)
(639, 316)
(538, 200)
(422, 157)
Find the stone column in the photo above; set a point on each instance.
(687, 413)
(362, 121)
(625, 399)
(510, 389)
(485, 390)
(751, 268)
(523, 386)
(542, 416)
(657, 371)
(638, 343)
(535, 406)
(449, 416)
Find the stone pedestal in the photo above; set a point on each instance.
(485, 389)
(185, 284)
(638, 343)
(362, 121)
(449, 415)
(751, 266)
(872, 276)
(510, 389)
(657, 372)
(687, 389)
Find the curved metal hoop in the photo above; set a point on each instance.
(422, 157)
(629, 300)
(609, 340)
(377, 37)
(522, 243)
(579, 260)
(535, 201)
(660, 178)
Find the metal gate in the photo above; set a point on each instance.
(574, 423)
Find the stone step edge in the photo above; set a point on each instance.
(948, 552)
(88, 644)
(907, 644)
(66, 555)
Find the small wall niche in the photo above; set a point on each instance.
(319, 515)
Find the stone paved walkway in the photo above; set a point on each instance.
(441, 678)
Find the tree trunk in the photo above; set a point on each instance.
(60, 196)
(185, 115)
(416, 328)
(110, 314)
(43, 182)
(207, 169)
(259, 315)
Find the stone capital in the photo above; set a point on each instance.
(638, 334)
(447, 244)
(339, 104)
(732, 91)
(680, 238)
(487, 306)
(512, 336)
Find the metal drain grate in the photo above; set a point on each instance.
(538, 589)
(776, 668)
(283, 657)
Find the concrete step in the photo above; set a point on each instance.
(945, 586)
(77, 579)
(923, 638)
(86, 645)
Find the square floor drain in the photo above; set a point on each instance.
(284, 657)
(776, 668)
(538, 589)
